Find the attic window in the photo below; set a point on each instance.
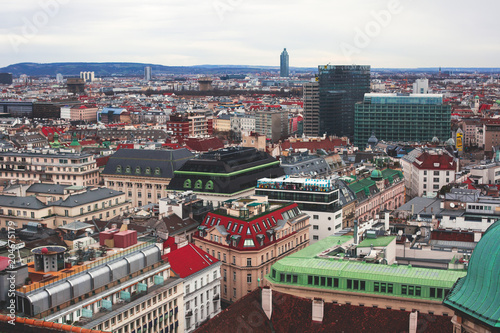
(119, 169)
(248, 243)
(209, 185)
(187, 183)
(157, 171)
(138, 170)
(198, 185)
(148, 171)
(128, 169)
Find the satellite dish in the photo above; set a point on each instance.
(452, 205)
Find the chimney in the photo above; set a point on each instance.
(267, 301)
(318, 310)
(356, 232)
(413, 322)
(386, 221)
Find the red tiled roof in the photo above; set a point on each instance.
(326, 144)
(428, 161)
(189, 259)
(294, 314)
(203, 145)
(250, 229)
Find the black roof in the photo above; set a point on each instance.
(147, 163)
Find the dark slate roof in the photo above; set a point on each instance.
(47, 188)
(294, 314)
(175, 225)
(167, 160)
(87, 197)
(21, 202)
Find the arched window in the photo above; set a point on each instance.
(128, 169)
(209, 185)
(157, 171)
(138, 170)
(148, 171)
(198, 185)
(118, 169)
(187, 183)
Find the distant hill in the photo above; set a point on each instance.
(102, 69)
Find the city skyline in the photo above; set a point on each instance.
(380, 33)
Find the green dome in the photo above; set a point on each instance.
(376, 175)
(478, 293)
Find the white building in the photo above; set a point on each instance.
(201, 274)
(421, 86)
(427, 170)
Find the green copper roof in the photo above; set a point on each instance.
(478, 294)
(306, 261)
(377, 242)
(376, 174)
(364, 184)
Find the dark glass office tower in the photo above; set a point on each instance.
(284, 65)
(340, 88)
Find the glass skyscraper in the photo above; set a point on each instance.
(399, 117)
(284, 65)
(340, 88)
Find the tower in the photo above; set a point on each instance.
(311, 108)
(147, 73)
(284, 64)
(340, 88)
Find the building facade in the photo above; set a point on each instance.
(396, 117)
(340, 88)
(318, 198)
(248, 235)
(284, 64)
(49, 165)
(143, 175)
(272, 123)
(311, 108)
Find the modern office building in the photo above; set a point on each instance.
(5, 78)
(272, 123)
(143, 174)
(225, 174)
(248, 235)
(284, 64)
(340, 88)
(147, 73)
(318, 198)
(311, 108)
(398, 117)
(337, 269)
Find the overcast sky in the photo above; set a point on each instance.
(420, 33)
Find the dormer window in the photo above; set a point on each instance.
(157, 171)
(118, 169)
(187, 183)
(138, 170)
(128, 169)
(198, 185)
(148, 171)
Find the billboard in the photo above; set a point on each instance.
(459, 141)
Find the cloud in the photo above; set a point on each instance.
(250, 32)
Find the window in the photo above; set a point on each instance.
(315, 217)
(234, 276)
(315, 227)
(249, 278)
(315, 237)
(436, 173)
(249, 262)
(234, 292)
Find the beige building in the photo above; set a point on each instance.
(84, 113)
(143, 175)
(222, 123)
(49, 165)
(249, 235)
(254, 140)
(55, 210)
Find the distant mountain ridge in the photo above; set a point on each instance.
(130, 69)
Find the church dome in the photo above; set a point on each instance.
(478, 293)
(376, 175)
(372, 141)
(435, 139)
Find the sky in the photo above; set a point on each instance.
(380, 33)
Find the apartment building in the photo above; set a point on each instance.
(142, 174)
(133, 290)
(59, 166)
(53, 210)
(202, 276)
(248, 235)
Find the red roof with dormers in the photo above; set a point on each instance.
(313, 145)
(249, 229)
(189, 259)
(428, 161)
